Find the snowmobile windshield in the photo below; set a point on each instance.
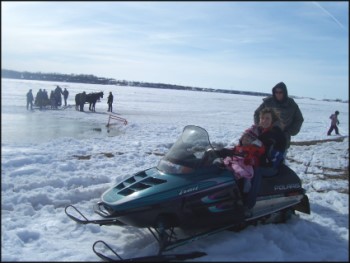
(190, 152)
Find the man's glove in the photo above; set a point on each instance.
(224, 152)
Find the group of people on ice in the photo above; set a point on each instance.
(42, 99)
(55, 100)
(262, 148)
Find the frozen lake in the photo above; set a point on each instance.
(139, 106)
(40, 179)
(22, 127)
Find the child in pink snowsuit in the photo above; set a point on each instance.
(243, 166)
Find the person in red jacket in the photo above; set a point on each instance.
(262, 146)
(275, 143)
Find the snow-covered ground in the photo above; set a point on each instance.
(53, 158)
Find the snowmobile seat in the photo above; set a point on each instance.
(284, 181)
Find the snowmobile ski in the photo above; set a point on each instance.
(154, 258)
(84, 221)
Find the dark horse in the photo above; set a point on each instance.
(77, 101)
(91, 98)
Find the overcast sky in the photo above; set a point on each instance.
(227, 45)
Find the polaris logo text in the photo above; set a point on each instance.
(286, 186)
(185, 191)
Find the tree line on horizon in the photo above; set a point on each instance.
(91, 79)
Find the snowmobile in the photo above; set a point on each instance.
(190, 194)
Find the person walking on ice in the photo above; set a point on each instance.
(334, 123)
(30, 99)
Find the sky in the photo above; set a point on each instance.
(53, 158)
(248, 46)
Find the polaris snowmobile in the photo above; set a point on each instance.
(190, 194)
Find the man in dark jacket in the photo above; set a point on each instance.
(65, 96)
(110, 101)
(39, 99)
(290, 114)
(30, 99)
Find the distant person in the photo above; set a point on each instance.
(334, 123)
(39, 99)
(65, 96)
(30, 99)
(110, 101)
(82, 100)
(58, 92)
(45, 98)
(52, 100)
(290, 114)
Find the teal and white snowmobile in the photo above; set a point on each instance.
(190, 194)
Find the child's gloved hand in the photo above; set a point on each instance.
(276, 158)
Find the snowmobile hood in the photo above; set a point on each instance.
(152, 186)
(188, 168)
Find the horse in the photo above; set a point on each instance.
(92, 99)
(80, 100)
(77, 101)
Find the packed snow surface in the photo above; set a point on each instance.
(52, 158)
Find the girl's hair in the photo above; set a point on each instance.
(276, 119)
